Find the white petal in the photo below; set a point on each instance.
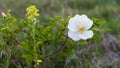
(73, 35)
(86, 22)
(74, 22)
(79, 21)
(72, 25)
(86, 35)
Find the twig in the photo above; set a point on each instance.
(14, 63)
(58, 50)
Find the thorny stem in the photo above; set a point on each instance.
(58, 50)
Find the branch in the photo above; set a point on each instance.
(58, 50)
(14, 63)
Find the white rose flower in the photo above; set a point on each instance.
(79, 26)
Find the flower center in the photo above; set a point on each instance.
(81, 29)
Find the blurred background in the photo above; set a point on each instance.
(108, 10)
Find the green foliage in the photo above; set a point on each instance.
(34, 41)
(30, 36)
(17, 37)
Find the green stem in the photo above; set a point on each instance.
(8, 59)
(34, 44)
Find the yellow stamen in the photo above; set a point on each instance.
(81, 29)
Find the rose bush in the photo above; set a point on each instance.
(26, 43)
